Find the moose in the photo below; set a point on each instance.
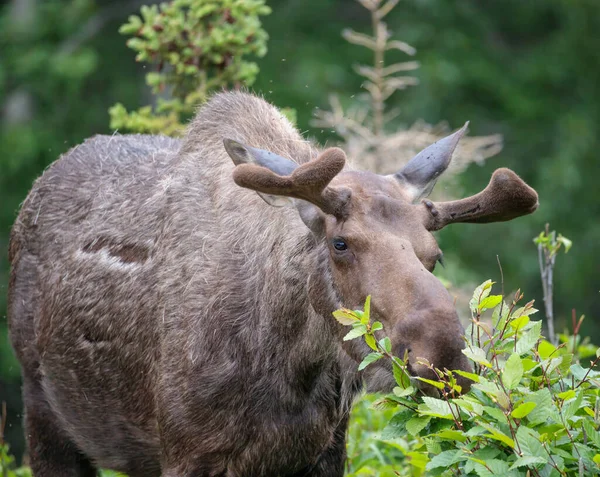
(170, 301)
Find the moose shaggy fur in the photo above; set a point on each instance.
(170, 322)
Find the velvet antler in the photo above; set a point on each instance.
(504, 198)
(308, 181)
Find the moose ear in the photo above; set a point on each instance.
(420, 174)
(242, 154)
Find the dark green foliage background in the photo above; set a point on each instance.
(528, 70)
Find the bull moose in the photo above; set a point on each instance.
(171, 309)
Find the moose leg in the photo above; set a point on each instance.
(332, 460)
(51, 452)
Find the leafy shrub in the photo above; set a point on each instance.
(533, 409)
(197, 47)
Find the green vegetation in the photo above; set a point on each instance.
(533, 408)
(198, 48)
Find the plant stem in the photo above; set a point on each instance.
(546, 259)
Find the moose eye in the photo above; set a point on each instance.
(339, 244)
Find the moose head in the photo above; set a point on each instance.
(378, 233)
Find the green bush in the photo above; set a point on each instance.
(197, 47)
(533, 409)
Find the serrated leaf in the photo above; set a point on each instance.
(403, 392)
(498, 435)
(529, 338)
(386, 344)
(469, 405)
(492, 468)
(523, 410)
(435, 407)
(546, 349)
(520, 322)
(356, 332)
(478, 355)
(513, 371)
(437, 384)
(367, 311)
(489, 302)
(570, 394)
(446, 459)
(496, 413)
(529, 443)
(451, 435)
(570, 408)
(418, 459)
(544, 406)
(416, 424)
(345, 317)
(370, 358)
(472, 376)
(400, 375)
(527, 461)
(395, 427)
(480, 293)
(591, 432)
(371, 342)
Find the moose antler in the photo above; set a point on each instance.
(504, 198)
(308, 181)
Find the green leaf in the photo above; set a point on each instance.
(544, 409)
(376, 326)
(371, 342)
(546, 349)
(355, 332)
(403, 392)
(370, 358)
(591, 432)
(570, 408)
(529, 338)
(498, 435)
(345, 317)
(437, 384)
(367, 312)
(478, 355)
(520, 322)
(489, 302)
(451, 435)
(435, 407)
(464, 374)
(492, 468)
(418, 459)
(529, 443)
(528, 461)
(401, 376)
(446, 459)
(386, 344)
(416, 424)
(513, 371)
(523, 410)
(480, 293)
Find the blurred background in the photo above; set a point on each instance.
(528, 71)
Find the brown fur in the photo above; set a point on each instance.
(171, 323)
